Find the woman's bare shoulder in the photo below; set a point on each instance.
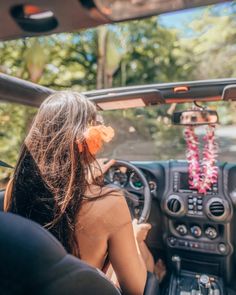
(107, 206)
(104, 195)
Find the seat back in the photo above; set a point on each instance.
(34, 262)
(2, 199)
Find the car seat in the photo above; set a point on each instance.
(34, 262)
(1, 199)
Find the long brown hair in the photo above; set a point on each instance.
(49, 181)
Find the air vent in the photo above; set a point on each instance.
(217, 208)
(174, 205)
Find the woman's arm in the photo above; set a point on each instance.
(123, 250)
(140, 233)
(147, 256)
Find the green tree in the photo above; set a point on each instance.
(150, 54)
(210, 51)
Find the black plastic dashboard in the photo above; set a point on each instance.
(198, 228)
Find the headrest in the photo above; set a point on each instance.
(34, 262)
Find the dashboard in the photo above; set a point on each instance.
(128, 179)
(198, 228)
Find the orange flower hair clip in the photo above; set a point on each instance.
(95, 136)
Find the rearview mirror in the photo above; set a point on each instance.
(117, 10)
(195, 117)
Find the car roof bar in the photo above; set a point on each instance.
(24, 92)
(17, 90)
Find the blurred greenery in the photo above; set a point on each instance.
(130, 53)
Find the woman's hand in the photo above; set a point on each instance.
(140, 230)
(160, 270)
(98, 168)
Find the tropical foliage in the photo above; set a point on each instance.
(137, 52)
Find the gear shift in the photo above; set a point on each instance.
(204, 284)
(177, 265)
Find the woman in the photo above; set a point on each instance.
(57, 183)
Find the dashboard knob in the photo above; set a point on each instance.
(182, 229)
(211, 233)
(196, 231)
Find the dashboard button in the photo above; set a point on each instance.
(172, 241)
(212, 247)
(222, 248)
(193, 245)
(190, 207)
(182, 243)
(199, 207)
(196, 231)
(186, 243)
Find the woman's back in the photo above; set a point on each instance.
(96, 221)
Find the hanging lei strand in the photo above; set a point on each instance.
(201, 175)
(209, 168)
(193, 157)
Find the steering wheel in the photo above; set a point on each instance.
(146, 189)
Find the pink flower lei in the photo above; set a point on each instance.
(202, 174)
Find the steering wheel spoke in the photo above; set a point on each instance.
(131, 198)
(139, 201)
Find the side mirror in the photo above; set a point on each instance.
(195, 117)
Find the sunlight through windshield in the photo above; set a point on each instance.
(195, 44)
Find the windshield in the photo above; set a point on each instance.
(148, 134)
(193, 44)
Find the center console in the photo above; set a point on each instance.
(198, 231)
(189, 283)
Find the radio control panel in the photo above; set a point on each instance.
(181, 184)
(195, 205)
